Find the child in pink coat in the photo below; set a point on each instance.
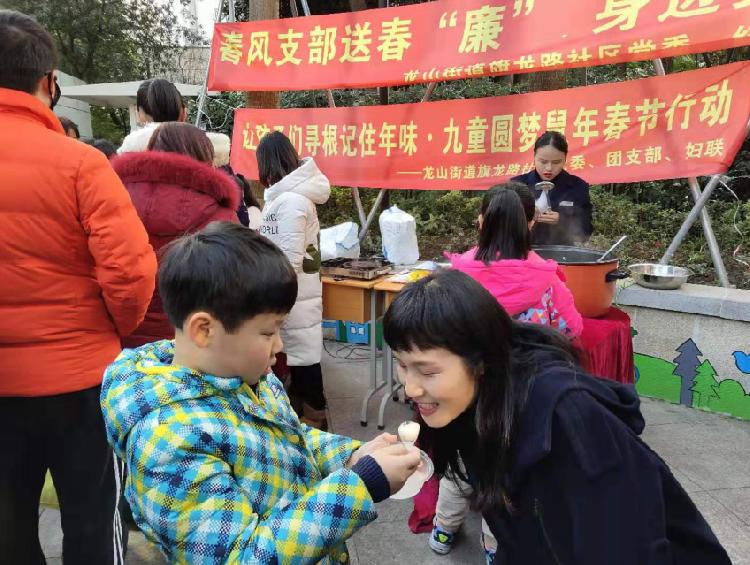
(530, 288)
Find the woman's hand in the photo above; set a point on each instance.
(548, 217)
(383, 440)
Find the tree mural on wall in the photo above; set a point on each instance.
(687, 369)
(708, 391)
(705, 387)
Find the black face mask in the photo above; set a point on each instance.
(56, 96)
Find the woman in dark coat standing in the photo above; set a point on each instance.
(176, 191)
(567, 215)
(555, 457)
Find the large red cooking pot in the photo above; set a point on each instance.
(592, 284)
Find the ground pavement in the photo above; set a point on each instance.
(708, 453)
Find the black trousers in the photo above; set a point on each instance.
(65, 434)
(307, 383)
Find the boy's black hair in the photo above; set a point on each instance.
(26, 52)
(227, 270)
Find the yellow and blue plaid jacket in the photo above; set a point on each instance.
(222, 473)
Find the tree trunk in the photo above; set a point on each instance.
(262, 10)
(550, 80)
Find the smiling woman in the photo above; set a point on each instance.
(544, 445)
(440, 384)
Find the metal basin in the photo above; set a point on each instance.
(659, 277)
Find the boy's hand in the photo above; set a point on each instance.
(383, 440)
(397, 463)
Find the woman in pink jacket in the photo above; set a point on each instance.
(528, 287)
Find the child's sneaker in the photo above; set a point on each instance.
(441, 541)
(489, 554)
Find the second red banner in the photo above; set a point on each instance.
(681, 125)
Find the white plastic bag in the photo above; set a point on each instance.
(399, 231)
(340, 241)
(542, 203)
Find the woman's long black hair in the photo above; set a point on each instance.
(505, 230)
(450, 310)
(276, 157)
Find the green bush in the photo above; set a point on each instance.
(446, 220)
(651, 226)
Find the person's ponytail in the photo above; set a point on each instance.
(164, 101)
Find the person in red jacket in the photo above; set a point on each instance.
(176, 191)
(76, 274)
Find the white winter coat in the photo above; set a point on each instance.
(290, 220)
(137, 140)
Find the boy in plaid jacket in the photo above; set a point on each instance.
(220, 468)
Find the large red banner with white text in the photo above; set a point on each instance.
(454, 39)
(680, 125)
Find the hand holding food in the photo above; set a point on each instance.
(383, 440)
(398, 463)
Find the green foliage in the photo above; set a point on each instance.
(218, 113)
(446, 220)
(732, 400)
(112, 41)
(104, 127)
(650, 227)
(656, 379)
(451, 90)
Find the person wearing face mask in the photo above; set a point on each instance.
(565, 216)
(76, 274)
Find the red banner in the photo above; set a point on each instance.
(681, 125)
(453, 39)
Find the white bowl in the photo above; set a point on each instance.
(418, 478)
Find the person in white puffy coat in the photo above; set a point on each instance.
(294, 187)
